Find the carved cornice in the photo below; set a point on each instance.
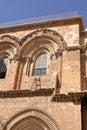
(26, 93)
(72, 48)
(83, 48)
(74, 97)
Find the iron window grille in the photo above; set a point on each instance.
(40, 66)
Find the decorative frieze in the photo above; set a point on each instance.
(26, 93)
(74, 97)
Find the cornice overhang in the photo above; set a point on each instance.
(26, 93)
(50, 23)
(74, 97)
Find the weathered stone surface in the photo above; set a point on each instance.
(55, 100)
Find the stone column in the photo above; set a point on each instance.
(28, 66)
(13, 70)
(19, 64)
(19, 74)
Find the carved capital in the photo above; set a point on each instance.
(18, 58)
(58, 53)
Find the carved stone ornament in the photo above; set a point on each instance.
(47, 32)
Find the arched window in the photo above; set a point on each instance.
(40, 66)
(3, 67)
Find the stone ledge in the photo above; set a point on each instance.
(75, 97)
(26, 93)
(56, 97)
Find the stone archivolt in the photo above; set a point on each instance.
(11, 41)
(20, 45)
(30, 119)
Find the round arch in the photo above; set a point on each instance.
(54, 39)
(10, 43)
(31, 119)
(4, 54)
(10, 39)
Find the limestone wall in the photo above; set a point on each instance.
(67, 66)
(65, 71)
(67, 115)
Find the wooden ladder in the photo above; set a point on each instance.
(36, 83)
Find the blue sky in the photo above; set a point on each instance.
(11, 10)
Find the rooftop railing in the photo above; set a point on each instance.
(39, 19)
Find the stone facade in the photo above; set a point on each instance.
(54, 101)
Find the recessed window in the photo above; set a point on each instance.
(40, 66)
(3, 67)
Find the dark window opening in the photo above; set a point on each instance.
(40, 66)
(3, 67)
(84, 113)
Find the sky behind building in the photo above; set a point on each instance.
(12, 10)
